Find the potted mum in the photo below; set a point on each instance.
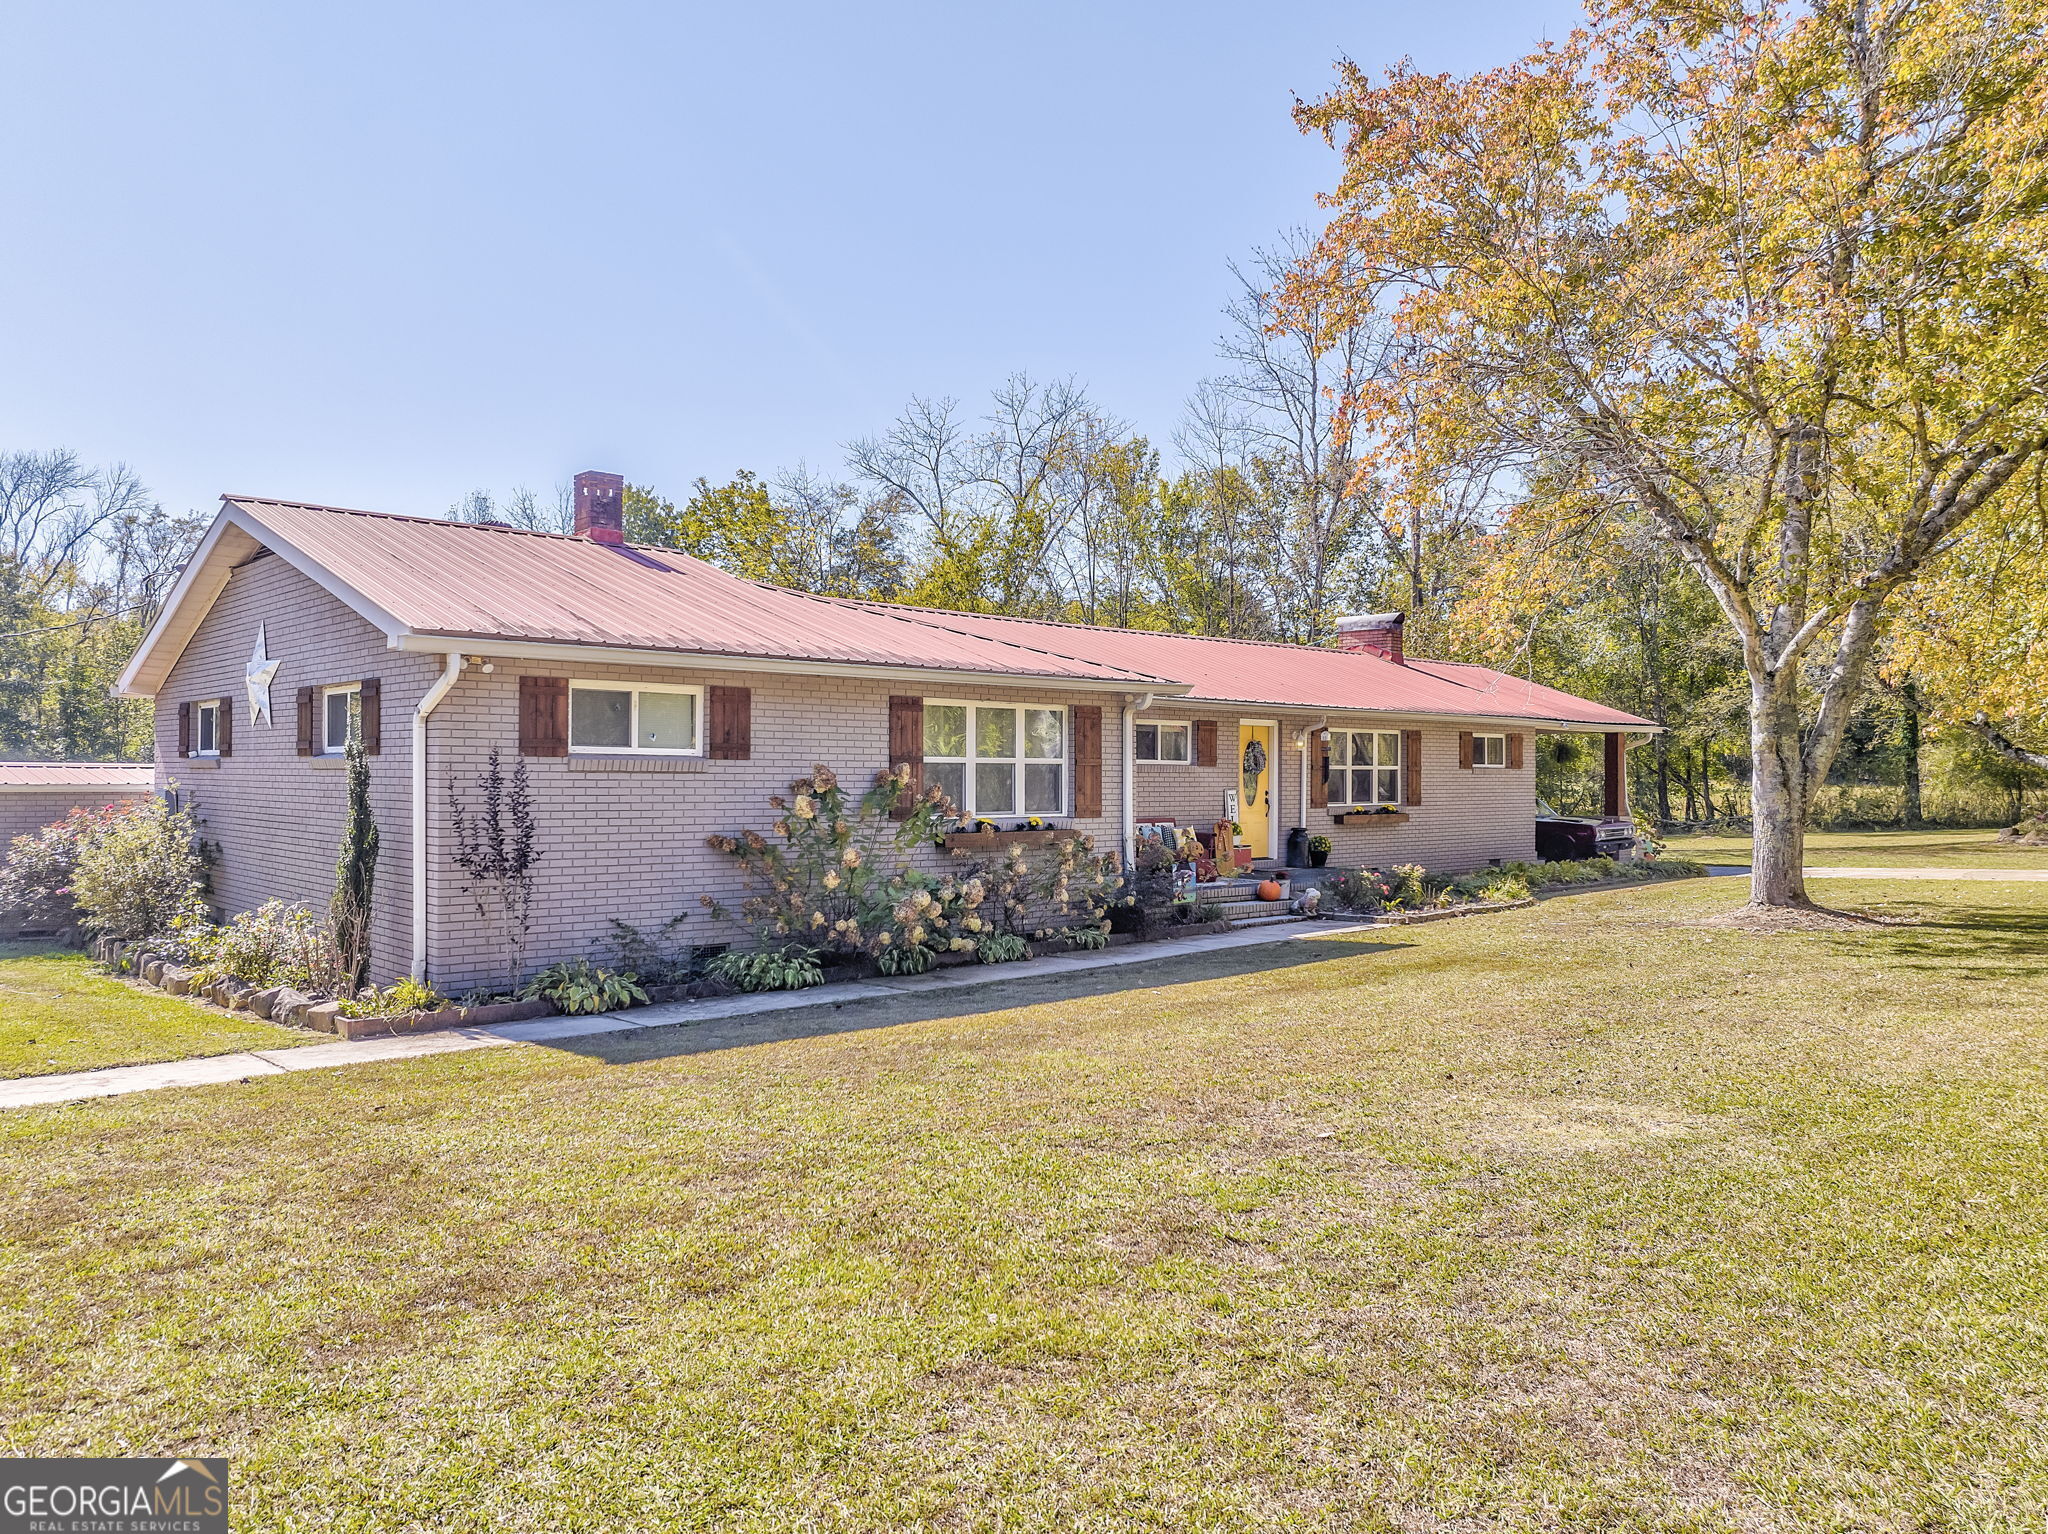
(1318, 851)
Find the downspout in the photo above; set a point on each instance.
(1132, 709)
(451, 671)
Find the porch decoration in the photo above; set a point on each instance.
(258, 675)
(1271, 889)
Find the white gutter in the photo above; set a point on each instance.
(505, 649)
(1132, 709)
(451, 671)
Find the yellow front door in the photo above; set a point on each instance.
(1255, 787)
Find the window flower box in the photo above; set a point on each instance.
(962, 842)
(1371, 818)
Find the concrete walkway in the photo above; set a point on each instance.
(1730, 870)
(28, 1091)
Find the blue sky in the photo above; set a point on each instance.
(377, 255)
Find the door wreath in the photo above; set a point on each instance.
(1254, 766)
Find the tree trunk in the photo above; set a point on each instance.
(1663, 782)
(1777, 799)
(1707, 785)
(1910, 696)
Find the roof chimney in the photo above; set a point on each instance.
(1377, 633)
(601, 506)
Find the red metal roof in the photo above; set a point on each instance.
(471, 581)
(1298, 676)
(76, 775)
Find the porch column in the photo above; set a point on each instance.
(1614, 788)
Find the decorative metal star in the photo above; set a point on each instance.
(262, 669)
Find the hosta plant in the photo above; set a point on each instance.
(407, 995)
(579, 986)
(789, 967)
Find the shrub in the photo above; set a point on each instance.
(1409, 886)
(355, 873)
(495, 849)
(1089, 938)
(1194, 913)
(275, 944)
(1504, 886)
(141, 872)
(791, 967)
(36, 883)
(831, 886)
(579, 986)
(408, 995)
(654, 958)
(1367, 890)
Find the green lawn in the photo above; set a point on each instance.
(1594, 1216)
(58, 1013)
(1876, 849)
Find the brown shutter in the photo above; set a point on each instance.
(1464, 748)
(1411, 766)
(1318, 770)
(1515, 752)
(184, 729)
(224, 726)
(306, 695)
(731, 711)
(1087, 762)
(1205, 743)
(372, 703)
(906, 747)
(543, 716)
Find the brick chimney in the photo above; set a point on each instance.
(601, 506)
(1377, 633)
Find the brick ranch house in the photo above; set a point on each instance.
(656, 700)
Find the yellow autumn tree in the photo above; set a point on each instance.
(1764, 277)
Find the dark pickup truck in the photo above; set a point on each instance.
(1573, 837)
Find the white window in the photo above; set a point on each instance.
(206, 729)
(995, 761)
(1489, 751)
(1162, 743)
(341, 717)
(1365, 767)
(658, 720)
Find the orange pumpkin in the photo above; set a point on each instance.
(1270, 890)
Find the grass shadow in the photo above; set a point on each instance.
(1992, 941)
(857, 1014)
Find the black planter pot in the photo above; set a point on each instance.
(1317, 859)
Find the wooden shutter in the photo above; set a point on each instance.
(1515, 752)
(370, 705)
(1318, 770)
(224, 726)
(1411, 766)
(906, 748)
(543, 716)
(731, 723)
(184, 729)
(1087, 725)
(1464, 748)
(307, 696)
(1205, 743)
